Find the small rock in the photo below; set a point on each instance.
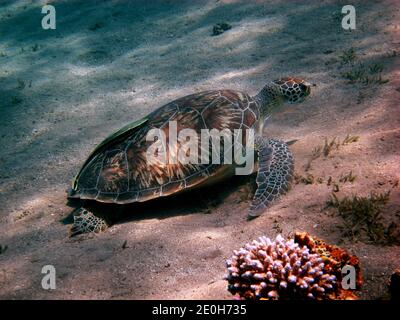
(220, 28)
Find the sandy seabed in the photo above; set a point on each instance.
(62, 91)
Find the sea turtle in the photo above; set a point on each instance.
(119, 171)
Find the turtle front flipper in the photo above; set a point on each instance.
(86, 222)
(275, 171)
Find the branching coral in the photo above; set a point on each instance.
(280, 269)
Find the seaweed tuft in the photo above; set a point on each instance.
(362, 217)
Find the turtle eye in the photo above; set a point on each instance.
(304, 88)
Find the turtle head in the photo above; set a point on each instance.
(287, 89)
(293, 90)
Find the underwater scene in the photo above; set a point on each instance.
(199, 150)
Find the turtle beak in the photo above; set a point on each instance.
(307, 88)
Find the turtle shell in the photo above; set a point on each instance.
(117, 171)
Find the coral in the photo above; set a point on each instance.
(299, 268)
(334, 258)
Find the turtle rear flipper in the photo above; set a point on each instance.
(86, 222)
(275, 170)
